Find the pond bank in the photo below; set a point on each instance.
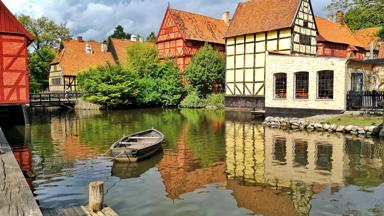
(349, 124)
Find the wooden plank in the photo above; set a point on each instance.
(109, 212)
(16, 198)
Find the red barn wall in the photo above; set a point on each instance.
(330, 49)
(14, 83)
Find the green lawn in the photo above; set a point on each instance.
(355, 120)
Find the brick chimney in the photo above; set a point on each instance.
(226, 17)
(340, 16)
(80, 38)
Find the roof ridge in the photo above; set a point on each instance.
(183, 11)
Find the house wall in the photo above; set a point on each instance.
(246, 56)
(292, 64)
(56, 74)
(329, 49)
(14, 80)
(379, 70)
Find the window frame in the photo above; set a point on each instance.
(54, 79)
(332, 89)
(304, 87)
(275, 78)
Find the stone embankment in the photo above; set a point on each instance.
(301, 124)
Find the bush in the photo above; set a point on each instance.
(192, 100)
(206, 68)
(215, 101)
(110, 86)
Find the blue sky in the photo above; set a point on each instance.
(96, 19)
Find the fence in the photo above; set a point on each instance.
(357, 100)
(53, 99)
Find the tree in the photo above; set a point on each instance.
(47, 33)
(111, 86)
(360, 13)
(142, 58)
(151, 37)
(119, 33)
(39, 63)
(207, 67)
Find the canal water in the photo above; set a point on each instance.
(212, 163)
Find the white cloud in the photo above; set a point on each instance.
(95, 19)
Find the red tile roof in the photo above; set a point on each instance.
(10, 24)
(262, 15)
(74, 59)
(365, 36)
(335, 32)
(120, 46)
(199, 27)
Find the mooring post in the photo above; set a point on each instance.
(96, 194)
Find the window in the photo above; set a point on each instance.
(280, 85)
(305, 39)
(305, 24)
(56, 81)
(88, 49)
(280, 151)
(357, 82)
(301, 91)
(325, 85)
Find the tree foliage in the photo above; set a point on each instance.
(39, 62)
(47, 33)
(111, 86)
(360, 13)
(206, 68)
(143, 58)
(144, 82)
(119, 33)
(151, 37)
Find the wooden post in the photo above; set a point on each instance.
(96, 194)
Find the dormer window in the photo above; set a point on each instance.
(88, 49)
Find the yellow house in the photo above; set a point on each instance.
(259, 26)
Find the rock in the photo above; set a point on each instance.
(371, 128)
(376, 131)
(326, 127)
(275, 124)
(269, 119)
(369, 133)
(302, 127)
(381, 133)
(310, 127)
(340, 128)
(2, 152)
(333, 127)
(318, 125)
(349, 128)
(295, 126)
(295, 123)
(361, 131)
(353, 132)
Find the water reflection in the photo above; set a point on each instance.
(212, 164)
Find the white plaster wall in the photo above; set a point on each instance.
(292, 64)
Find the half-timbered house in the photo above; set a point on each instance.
(259, 26)
(74, 57)
(14, 75)
(183, 33)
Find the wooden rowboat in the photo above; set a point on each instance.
(137, 146)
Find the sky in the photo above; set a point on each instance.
(96, 19)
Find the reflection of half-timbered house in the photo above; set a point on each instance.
(259, 26)
(183, 33)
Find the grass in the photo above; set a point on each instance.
(355, 120)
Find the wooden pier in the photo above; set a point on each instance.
(50, 99)
(16, 197)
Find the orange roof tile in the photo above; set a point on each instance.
(198, 27)
(262, 15)
(365, 36)
(335, 32)
(74, 59)
(120, 46)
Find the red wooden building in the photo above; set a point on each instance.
(183, 33)
(14, 40)
(335, 39)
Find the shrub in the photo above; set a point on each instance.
(110, 86)
(215, 101)
(207, 67)
(192, 100)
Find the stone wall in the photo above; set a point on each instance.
(290, 65)
(251, 102)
